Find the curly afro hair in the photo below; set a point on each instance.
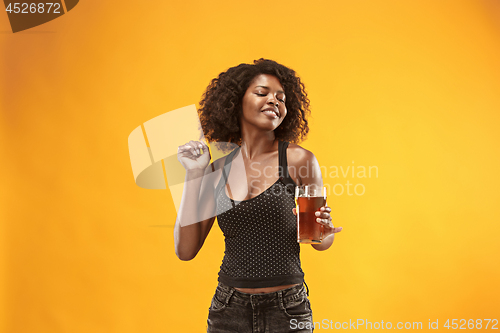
(220, 106)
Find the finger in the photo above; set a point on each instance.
(195, 145)
(185, 147)
(181, 148)
(204, 148)
(294, 211)
(199, 147)
(335, 230)
(325, 222)
(187, 151)
(184, 150)
(323, 215)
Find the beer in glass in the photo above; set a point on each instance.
(309, 199)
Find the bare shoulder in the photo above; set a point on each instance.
(299, 156)
(303, 166)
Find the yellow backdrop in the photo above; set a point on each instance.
(411, 88)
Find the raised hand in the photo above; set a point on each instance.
(194, 155)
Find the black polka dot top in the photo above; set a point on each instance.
(260, 233)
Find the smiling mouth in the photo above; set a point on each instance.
(272, 112)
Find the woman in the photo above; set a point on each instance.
(261, 107)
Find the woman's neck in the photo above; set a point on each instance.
(255, 144)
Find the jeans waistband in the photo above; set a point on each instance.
(227, 295)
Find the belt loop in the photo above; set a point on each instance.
(280, 300)
(231, 291)
(307, 288)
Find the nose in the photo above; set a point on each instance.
(273, 101)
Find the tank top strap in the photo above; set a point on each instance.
(283, 165)
(225, 170)
(283, 169)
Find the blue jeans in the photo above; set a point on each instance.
(286, 310)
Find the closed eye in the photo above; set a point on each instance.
(264, 95)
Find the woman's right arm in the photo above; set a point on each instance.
(196, 213)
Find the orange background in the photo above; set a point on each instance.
(410, 87)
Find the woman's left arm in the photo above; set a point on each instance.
(304, 159)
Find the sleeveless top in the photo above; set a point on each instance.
(260, 234)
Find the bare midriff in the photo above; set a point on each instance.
(265, 290)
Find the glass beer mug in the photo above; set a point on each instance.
(308, 200)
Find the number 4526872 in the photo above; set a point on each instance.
(472, 324)
(32, 8)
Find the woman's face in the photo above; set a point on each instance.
(263, 103)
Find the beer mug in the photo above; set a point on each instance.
(308, 200)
